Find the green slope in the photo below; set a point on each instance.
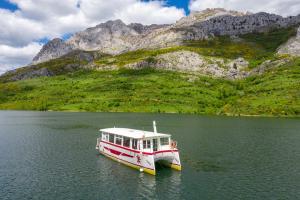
(147, 90)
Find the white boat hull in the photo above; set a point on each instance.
(143, 161)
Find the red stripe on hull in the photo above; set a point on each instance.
(125, 160)
(118, 152)
(135, 151)
(162, 151)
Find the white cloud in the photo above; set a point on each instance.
(130, 11)
(13, 57)
(37, 19)
(45, 9)
(103, 10)
(144, 13)
(281, 7)
(18, 31)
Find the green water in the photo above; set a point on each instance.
(51, 155)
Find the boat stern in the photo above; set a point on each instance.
(169, 158)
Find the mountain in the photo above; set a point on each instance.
(53, 49)
(211, 62)
(115, 37)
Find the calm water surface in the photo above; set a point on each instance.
(51, 155)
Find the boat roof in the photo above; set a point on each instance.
(133, 133)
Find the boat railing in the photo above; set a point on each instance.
(173, 144)
(98, 143)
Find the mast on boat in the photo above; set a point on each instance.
(154, 127)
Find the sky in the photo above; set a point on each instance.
(25, 25)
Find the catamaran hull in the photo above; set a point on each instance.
(170, 158)
(143, 161)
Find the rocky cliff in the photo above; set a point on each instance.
(187, 61)
(53, 49)
(115, 37)
(238, 25)
(292, 47)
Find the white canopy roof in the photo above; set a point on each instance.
(132, 133)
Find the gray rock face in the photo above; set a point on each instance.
(186, 61)
(142, 29)
(70, 62)
(267, 65)
(111, 37)
(115, 37)
(238, 25)
(292, 47)
(34, 73)
(204, 15)
(53, 49)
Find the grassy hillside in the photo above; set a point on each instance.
(147, 90)
(275, 93)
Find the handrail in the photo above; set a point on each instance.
(98, 142)
(173, 144)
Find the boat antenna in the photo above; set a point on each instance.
(154, 127)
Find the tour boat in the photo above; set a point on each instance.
(139, 149)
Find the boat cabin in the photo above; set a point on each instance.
(139, 140)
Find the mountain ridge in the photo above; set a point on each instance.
(115, 37)
(220, 57)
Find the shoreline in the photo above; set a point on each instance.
(171, 113)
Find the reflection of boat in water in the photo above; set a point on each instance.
(139, 149)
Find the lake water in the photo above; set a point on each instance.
(51, 155)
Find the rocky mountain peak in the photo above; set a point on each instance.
(111, 24)
(53, 49)
(104, 37)
(214, 12)
(203, 15)
(143, 29)
(56, 42)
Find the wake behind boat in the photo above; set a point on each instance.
(139, 149)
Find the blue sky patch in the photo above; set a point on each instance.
(177, 3)
(67, 36)
(7, 5)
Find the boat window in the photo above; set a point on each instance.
(154, 144)
(164, 141)
(119, 139)
(146, 144)
(126, 141)
(111, 138)
(134, 143)
(105, 136)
